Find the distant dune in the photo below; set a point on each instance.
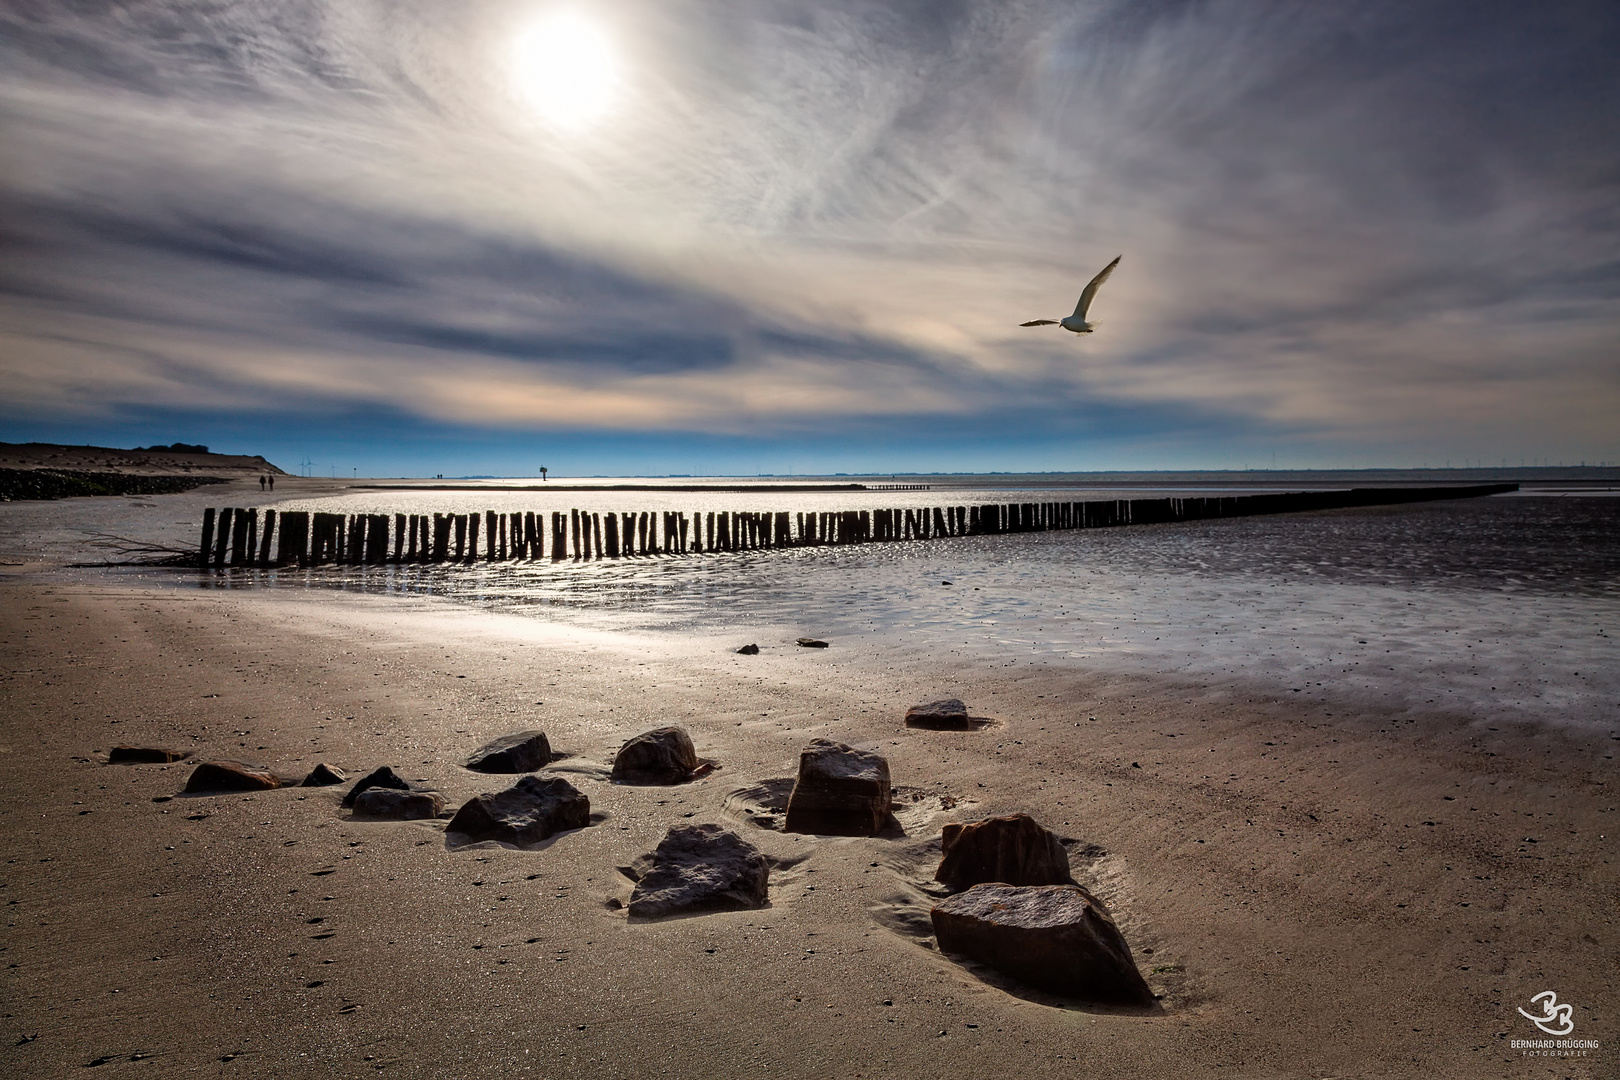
(153, 462)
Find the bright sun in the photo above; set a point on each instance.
(566, 69)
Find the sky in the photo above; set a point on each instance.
(642, 237)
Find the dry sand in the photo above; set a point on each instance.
(1312, 896)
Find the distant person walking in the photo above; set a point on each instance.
(261, 483)
(272, 478)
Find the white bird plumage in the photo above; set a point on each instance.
(1077, 323)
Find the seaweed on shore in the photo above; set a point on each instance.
(20, 484)
(130, 552)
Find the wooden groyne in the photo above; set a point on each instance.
(245, 537)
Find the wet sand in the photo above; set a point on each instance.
(1362, 894)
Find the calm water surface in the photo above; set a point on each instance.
(1500, 608)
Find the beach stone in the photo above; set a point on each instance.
(394, 805)
(1012, 849)
(749, 650)
(383, 778)
(840, 791)
(1058, 938)
(520, 752)
(144, 755)
(231, 776)
(662, 756)
(947, 714)
(525, 813)
(812, 643)
(701, 868)
(324, 775)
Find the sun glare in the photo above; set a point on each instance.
(566, 69)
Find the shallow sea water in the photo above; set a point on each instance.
(1500, 609)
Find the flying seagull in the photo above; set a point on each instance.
(1076, 323)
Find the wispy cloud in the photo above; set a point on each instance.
(1372, 226)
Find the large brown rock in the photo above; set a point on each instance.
(1058, 938)
(519, 752)
(947, 714)
(144, 755)
(525, 813)
(701, 868)
(230, 776)
(840, 791)
(393, 805)
(1012, 849)
(662, 756)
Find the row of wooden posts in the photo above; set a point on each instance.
(245, 537)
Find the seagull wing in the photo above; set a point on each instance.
(1040, 322)
(1084, 305)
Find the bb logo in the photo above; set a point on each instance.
(1555, 1018)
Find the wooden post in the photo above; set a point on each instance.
(596, 533)
(293, 543)
(222, 541)
(472, 538)
(205, 549)
(376, 538)
(613, 536)
(239, 535)
(490, 529)
(250, 547)
(264, 545)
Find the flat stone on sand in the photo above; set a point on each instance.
(840, 791)
(520, 752)
(812, 643)
(701, 868)
(662, 756)
(395, 805)
(1013, 849)
(525, 813)
(1058, 938)
(947, 714)
(144, 755)
(383, 777)
(231, 776)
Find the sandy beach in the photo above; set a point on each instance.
(1313, 889)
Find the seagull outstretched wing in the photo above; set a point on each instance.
(1090, 291)
(1040, 322)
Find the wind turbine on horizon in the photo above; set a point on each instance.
(1077, 323)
